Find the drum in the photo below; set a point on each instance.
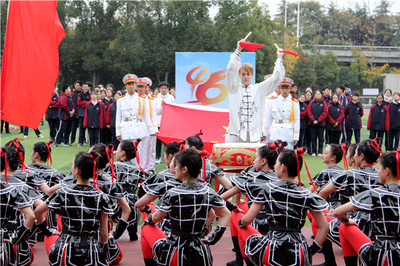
(234, 157)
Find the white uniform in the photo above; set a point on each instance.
(131, 121)
(268, 100)
(160, 99)
(147, 147)
(282, 120)
(246, 103)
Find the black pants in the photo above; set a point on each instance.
(82, 130)
(349, 135)
(158, 148)
(26, 131)
(53, 126)
(114, 140)
(394, 134)
(334, 136)
(327, 139)
(376, 134)
(64, 129)
(105, 135)
(387, 140)
(74, 126)
(6, 125)
(94, 136)
(316, 132)
(344, 134)
(307, 142)
(301, 138)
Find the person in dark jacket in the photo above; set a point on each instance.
(94, 119)
(378, 122)
(303, 119)
(353, 113)
(306, 141)
(317, 112)
(394, 122)
(83, 100)
(105, 134)
(334, 120)
(326, 97)
(66, 111)
(52, 116)
(387, 99)
(344, 101)
(75, 117)
(110, 118)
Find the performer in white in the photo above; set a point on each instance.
(147, 147)
(282, 117)
(247, 101)
(131, 122)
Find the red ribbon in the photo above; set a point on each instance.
(95, 179)
(345, 163)
(273, 146)
(397, 163)
(111, 161)
(21, 157)
(48, 149)
(182, 145)
(293, 53)
(3, 154)
(300, 152)
(135, 145)
(15, 141)
(375, 143)
(203, 155)
(280, 145)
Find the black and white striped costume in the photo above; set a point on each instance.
(384, 205)
(212, 171)
(158, 185)
(250, 175)
(114, 191)
(128, 177)
(286, 204)
(323, 178)
(351, 183)
(188, 206)
(80, 207)
(12, 197)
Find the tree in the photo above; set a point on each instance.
(359, 65)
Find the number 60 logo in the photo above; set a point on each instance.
(202, 84)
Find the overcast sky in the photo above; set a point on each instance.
(394, 5)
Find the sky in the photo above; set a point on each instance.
(394, 5)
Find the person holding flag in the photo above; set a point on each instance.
(247, 101)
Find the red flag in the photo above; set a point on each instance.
(181, 121)
(30, 61)
(251, 46)
(293, 53)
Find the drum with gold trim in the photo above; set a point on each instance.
(234, 157)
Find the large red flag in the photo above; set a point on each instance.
(181, 121)
(30, 61)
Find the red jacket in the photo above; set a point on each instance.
(321, 108)
(102, 115)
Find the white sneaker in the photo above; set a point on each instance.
(158, 161)
(313, 155)
(320, 155)
(40, 136)
(25, 136)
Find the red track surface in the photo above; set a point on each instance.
(222, 251)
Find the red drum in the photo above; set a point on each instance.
(234, 157)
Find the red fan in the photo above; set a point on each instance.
(291, 52)
(251, 46)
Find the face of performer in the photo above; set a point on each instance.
(34, 156)
(172, 166)
(318, 96)
(308, 96)
(120, 154)
(358, 158)
(85, 88)
(168, 158)
(383, 173)
(130, 88)
(327, 156)
(285, 91)
(350, 159)
(259, 162)
(379, 99)
(246, 77)
(302, 98)
(278, 168)
(396, 97)
(335, 99)
(109, 93)
(74, 170)
(78, 87)
(141, 89)
(164, 90)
